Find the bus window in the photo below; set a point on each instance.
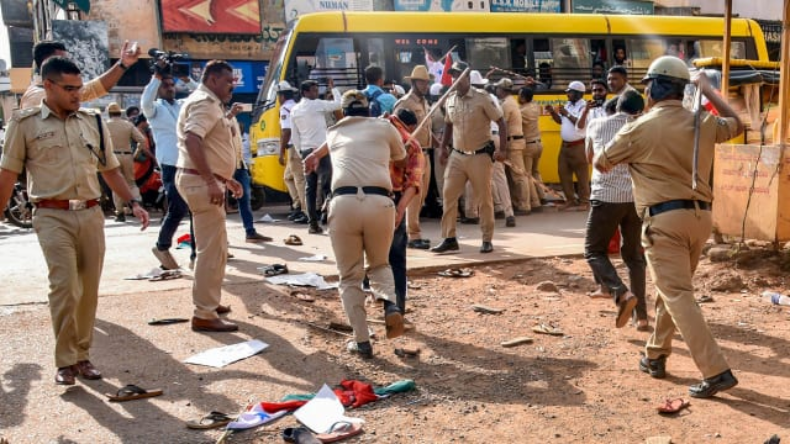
(642, 52)
(712, 48)
(518, 53)
(487, 52)
(335, 58)
(572, 61)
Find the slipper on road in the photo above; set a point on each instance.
(275, 270)
(670, 406)
(457, 272)
(213, 420)
(339, 431)
(293, 240)
(131, 392)
(167, 321)
(548, 330)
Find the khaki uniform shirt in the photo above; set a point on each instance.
(61, 157)
(35, 93)
(122, 133)
(471, 116)
(361, 149)
(530, 116)
(659, 148)
(512, 117)
(419, 106)
(203, 115)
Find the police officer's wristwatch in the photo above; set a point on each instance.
(134, 201)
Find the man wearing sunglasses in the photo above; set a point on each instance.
(62, 147)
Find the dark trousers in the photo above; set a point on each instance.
(242, 176)
(316, 183)
(398, 260)
(177, 209)
(602, 222)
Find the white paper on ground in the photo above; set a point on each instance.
(302, 280)
(323, 411)
(154, 272)
(221, 356)
(268, 219)
(313, 258)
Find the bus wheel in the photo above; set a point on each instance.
(257, 198)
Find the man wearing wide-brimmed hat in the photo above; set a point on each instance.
(415, 101)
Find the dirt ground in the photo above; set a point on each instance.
(582, 387)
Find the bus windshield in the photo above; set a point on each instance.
(268, 93)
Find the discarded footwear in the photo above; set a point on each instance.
(299, 435)
(670, 406)
(292, 240)
(167, 321)
(407, 351)
(488, 310)
(165, 258)
(709, 387)
(275, 269)
(211, 421)
(598, 294)
(656, 368)
(66, 375)
(131, 392)
(257, 237)
(339, 431)
(87, 370)
(705, 299)
(517, 341)
(298, 294)
(548, 330)
(624, 309)
(449, 244)
(456, 272)
(167, 275)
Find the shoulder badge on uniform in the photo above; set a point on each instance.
(25, 113)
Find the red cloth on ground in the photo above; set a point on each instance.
(274, 407)
(362, 393)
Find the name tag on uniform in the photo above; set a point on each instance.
(44, 136)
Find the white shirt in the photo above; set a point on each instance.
(308, 121)
(285, 114)
(568, 130)
(163, 118)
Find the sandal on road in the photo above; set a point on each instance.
(456, 272)
(167, 321)
(293, 240)
(340, 431)
(547, 330)
(670, 406)
(131, 392)
(211, 421)
(275, 270)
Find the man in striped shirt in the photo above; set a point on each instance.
(612, 205)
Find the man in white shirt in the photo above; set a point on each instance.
(162, 115)
(572, 160)
(308, 133)
(294, 172)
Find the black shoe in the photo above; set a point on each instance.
(120, 217)
(419, 244)
(510, 221)
(323, 218)
(449, 244)
(470, 220)
(315, 229)
(499, 214)
(300, 218)
(711, 386)
(363, 349)
(487, 247)
(656, 368)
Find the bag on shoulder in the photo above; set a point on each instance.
(374, 107)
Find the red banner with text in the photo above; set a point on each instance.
(211, 16)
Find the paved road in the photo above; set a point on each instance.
(24, 277)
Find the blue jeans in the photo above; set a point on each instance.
(398, 261)
(177, 209)
(242, 176)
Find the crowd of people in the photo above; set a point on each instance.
(359, 163)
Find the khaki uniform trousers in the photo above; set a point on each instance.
(439, 173)
(673, 243)
(519, 178)
(415, 206)
(73, 246)
(476, 169)
(572, 161)
(294, 178)
(208, 221)
(127, 169)
(500, 189)
(534, 151)
(362, 226)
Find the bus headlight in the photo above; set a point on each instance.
(268, 147)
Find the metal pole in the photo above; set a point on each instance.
(725, 65)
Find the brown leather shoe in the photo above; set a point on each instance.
(87, 370)
(222, 309)
(213, 325)
(65, 375)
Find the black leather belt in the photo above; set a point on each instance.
(123, 152)
(464, 153)
(515, 137)
(379, 191)
(678, 205)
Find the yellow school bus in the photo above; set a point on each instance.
(555, 49)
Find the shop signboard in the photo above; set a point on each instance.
(525, 6)
(211, 16)
(446, 5)
(629, 7)
(296, 8)
(225, 46)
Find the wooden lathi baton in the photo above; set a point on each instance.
(436, 106)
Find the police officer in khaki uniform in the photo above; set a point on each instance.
(519, 175)
(62, 149)
(416, 102)
(659, 149)
(361, 212)
(530, 119)
(206, 163)
(467, 123)
(123, 133)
